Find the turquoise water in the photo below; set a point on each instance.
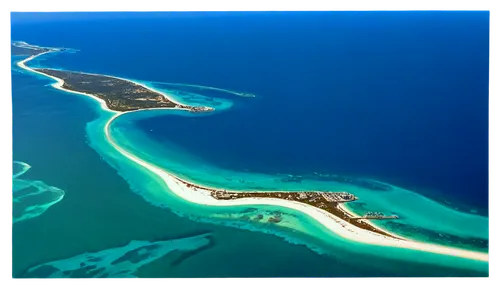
(356, 114)
(296, 228)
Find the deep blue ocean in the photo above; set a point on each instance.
(398, 97)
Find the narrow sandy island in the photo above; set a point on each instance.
(202, 197)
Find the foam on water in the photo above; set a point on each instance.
(21, 168)
(31, 198)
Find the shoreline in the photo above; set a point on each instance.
(59, 82)
(346, 209)
(333, 223)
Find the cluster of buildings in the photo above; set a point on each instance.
(200, 108)
(378, 215)
(302, 196)
(338, 197)
(331, 197)
(195, 108)
(315, 198)
(374, 214)
(223, 195)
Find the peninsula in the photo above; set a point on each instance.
(123, 96)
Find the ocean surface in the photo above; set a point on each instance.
(392, 107)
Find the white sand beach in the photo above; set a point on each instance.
(59, 82)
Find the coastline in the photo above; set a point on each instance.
(331, 222)
(60, 82)
(169, 98)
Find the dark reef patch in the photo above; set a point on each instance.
(187, 254)
(248, 210)
(295, 179)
